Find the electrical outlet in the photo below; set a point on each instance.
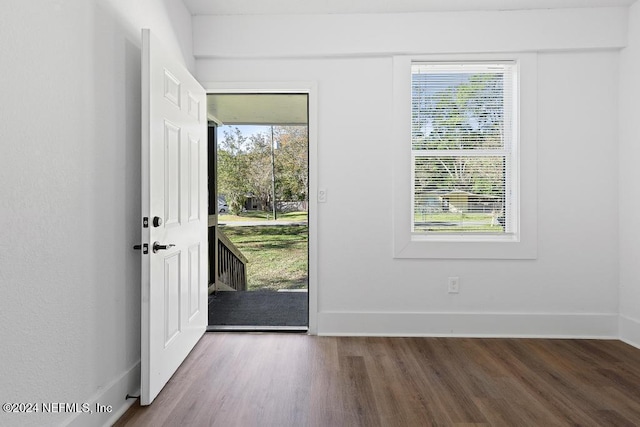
(454, 285)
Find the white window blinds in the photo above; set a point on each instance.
(463, 148)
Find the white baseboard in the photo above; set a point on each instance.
(507, 325)
(630, 331)
(113, 394)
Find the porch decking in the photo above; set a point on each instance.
(258, 310)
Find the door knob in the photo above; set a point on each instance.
(157, 221)
(158, 247)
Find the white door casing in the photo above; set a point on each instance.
(174, 189)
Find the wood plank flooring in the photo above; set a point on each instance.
(298, 380)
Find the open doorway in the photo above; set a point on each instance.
(260, 210)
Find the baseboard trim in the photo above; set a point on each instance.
(113, 394)
(629, 331)
(498, 325)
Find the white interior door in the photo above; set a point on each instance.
(174, 200)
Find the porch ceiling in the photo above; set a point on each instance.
(258, 109)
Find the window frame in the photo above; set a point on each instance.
(508, 152)
(520, 245)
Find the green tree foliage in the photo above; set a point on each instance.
(232, 164)
(292, 162)
(245, 166)
(259, 173)
(468, 113)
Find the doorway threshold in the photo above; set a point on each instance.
(243, 328)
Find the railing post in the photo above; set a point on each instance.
(231, 264)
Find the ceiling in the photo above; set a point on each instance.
(304, 7)
(258, 109)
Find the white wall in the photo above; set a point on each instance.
(247, 36)
(570, 290)
(69, 168)
(630, 183)
(69, 282)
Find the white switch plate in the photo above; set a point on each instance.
(454, 285)
(322, 195)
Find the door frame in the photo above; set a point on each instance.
(311, 90)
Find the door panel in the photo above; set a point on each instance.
(174, 199)
(171, 297)
(194, 281)
(172, 174)
(194, 178)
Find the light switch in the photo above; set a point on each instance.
(322, 195)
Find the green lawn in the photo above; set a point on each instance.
(262, 215)
(278, 255)
(453, 217)
(450, 222)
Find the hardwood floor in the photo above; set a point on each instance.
(298, 380)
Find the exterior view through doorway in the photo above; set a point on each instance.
(258, 211)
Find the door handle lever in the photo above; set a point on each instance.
(158, 247)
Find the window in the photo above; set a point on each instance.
(463, 147)
(465, 156)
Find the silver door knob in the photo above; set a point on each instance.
(158, 247)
